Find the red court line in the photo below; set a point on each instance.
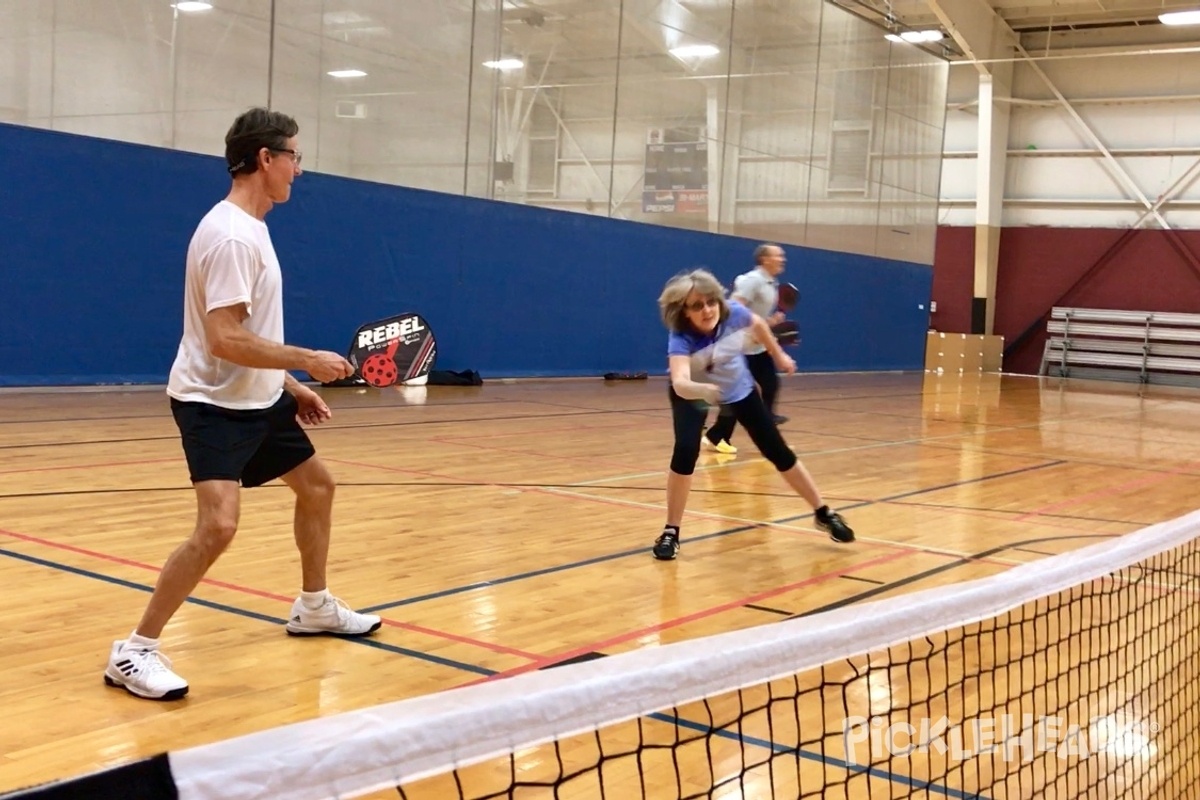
(105, 464)
(1000, 516)
(496, 648)
(579, 494)
(697, 615)
(1108, 491)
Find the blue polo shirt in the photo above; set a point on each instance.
(717, 357)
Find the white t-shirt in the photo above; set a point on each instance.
(230, 260)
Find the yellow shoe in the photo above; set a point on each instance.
(722, 446)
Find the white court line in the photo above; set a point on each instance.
(758, 523)
(764, 523)
(836, 450)
(758, 459)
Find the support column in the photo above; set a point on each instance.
(988, 41)
(712, 121)
(994, 89)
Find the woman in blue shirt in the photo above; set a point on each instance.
(704, 350)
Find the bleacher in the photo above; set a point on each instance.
(1138, 346)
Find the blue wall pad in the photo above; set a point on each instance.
(93, 235)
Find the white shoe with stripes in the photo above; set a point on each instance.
(143, 671)
(332, 618)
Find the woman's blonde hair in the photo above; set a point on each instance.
(672, 302)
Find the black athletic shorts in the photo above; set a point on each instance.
(252, 447)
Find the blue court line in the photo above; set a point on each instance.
(973, 480)
(535, 573)
(641, 550)
(781, 749)
(724, 733)
(241, 612)
(932, 489)
(902, 779)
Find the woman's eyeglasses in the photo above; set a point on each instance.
(700, 305)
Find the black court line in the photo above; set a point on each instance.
(929, 573)
(861, 579)
(768, 609)
(1094, 462)
(166, 414)
(798, 401)
(241, 612)
(520, 576)
(432, 484)
(970, 481)
(327, 427)
(821, 757)
(35, 445)
(722, 732)
(579, 659)
(1024, 512)
(893, 498)
(859, 502)
(641, 550)
(803, 403)
(998, 425)
(906, 780)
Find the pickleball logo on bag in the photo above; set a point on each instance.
(399, 349)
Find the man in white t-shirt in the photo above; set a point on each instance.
(238, 409)
(758, 290)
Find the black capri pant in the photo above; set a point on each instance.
(689, 417)
(762, 368)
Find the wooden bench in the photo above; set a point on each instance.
(1138, 346)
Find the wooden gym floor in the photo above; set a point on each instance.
(507, 528)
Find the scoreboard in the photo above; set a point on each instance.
(676, 176)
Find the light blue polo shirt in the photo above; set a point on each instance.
(761, 293)
(717, 357)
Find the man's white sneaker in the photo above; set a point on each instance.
(143, 671)
(333, 618)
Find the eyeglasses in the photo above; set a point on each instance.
(296, 155)
(700, 305)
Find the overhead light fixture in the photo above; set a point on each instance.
(1180, 18)
(505, 63)
(694, 51)
(189, 6)
(346, 73)
(915, 37)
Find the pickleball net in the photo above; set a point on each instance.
(1072, 676)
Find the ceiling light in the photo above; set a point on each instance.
(915, 37)
(346, 73)
(1180, 18)
(505, 63)
(193, 5)
(694, 51)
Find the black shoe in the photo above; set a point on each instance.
(666, 547)
(780, 419)
(836, 527)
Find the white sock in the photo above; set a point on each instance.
(314, 600)
(135, 640)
